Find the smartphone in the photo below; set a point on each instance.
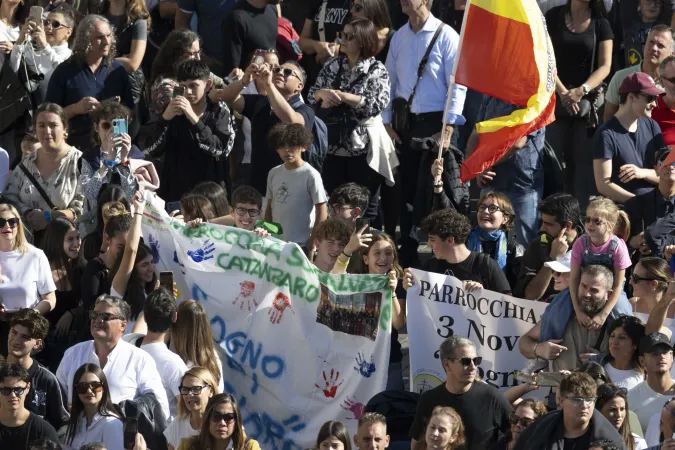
(35, 14)
(362, 222)
(549, 379)
(166, 280)
(179, 90)
(130, 432)
(259, 57)
(524, 377)
(119, 126)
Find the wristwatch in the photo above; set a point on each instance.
(586, 88)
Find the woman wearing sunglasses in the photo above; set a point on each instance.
(649, 280)
(43, 46)
(196, 388)
(525, 413)
(93, 417)
(613, 404)
(350, 93)
(221, 429)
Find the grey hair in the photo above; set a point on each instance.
(115, 302)
(82, 43)
(662, 28)
(449, 346)
(596, 270)
(303, 74)
(669, 59)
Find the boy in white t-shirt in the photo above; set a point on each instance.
(295, 189)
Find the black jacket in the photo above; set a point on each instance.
(660, 234)
(151, 420)
(547, 432)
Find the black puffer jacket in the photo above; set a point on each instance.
(151, 420)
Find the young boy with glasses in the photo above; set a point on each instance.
(18, 426)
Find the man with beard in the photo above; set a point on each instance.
(595, 288)
(559, 228)
(647, 398)
(575, 425)
(484, 410)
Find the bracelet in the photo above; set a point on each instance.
(438, 185)
(348, 256)
(341, 262)
(535, 350)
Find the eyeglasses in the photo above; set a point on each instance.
(83, 388)
(636, 278)
(194, 390)
(522, 421)
(467, 361)
(337, 209)
(55, 24)
(357, 8)
(217, 417)
(251, 212)
(262, 51)
(611, 392)
(286, 72)
(347, 37)
(13, 222)
(103, 317)
(17, 391)
(596, 220)
(489, 208)
(581, 401)
(649, 98)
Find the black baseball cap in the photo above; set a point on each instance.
(653, 340)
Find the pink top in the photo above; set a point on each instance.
(621, 256)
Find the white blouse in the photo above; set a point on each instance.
(7, 33)
(106, 429)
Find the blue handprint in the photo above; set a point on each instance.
(154, 247)
(203, 253)
(364, 367)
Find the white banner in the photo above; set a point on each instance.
(300, 347)
(437, 307)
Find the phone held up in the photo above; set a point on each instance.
(179, 91)
(130, 432)
(166, 280)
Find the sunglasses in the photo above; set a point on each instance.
(13, 222)
(357, 8)
(194, 390)
(217, 417)
(579, 401)
(84, 387)
(251, 212)
(489, 208)
(467, 361)
(649, 98)
(636, 278)
(55, 24)
(17, 391)
(103, 317)
(522, 421)
(658, 351)
(347, 37)
(596, 220)
(612, 392)
(286, 72)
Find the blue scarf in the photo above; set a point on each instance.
(478, 235)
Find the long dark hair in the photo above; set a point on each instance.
(597, 8)
(52, 244)
(91, 244)
(216, 194)
(105, 407)
(635, 330)
(21, 12)
(133, 10)
(336, 429)
(378, 13)
(608, 392)
(137, 289)
(204, 440)
(170, 54)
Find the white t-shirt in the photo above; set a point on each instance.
(624, 378)
(640, 444)
(644, 402)
(653, 431)
(293, 194)
(171, 369)
(7, 33)
(24, 278)
(106, 429)
(179, 429)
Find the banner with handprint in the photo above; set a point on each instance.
(438, 307)
(299, 347)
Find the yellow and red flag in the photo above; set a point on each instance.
(505, 52)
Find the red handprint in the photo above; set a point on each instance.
(355, 407)
(246, 289)
(331, 384)
(279, 305)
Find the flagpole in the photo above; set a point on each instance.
(451, 85)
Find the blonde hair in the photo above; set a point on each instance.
(201, 374)
(20, 242)
(111, 209)
(457, 428)
(617, 220)
(505, 206)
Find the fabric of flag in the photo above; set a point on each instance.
(505, 52)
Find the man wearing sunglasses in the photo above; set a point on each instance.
(625, 147)
(18, 426)
(131, 372)
(484, 410)
(575, 425)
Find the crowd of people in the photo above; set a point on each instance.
(328, 137)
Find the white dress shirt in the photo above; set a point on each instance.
(106, 429)
(130, 372)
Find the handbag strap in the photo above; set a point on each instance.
(595, 43)
(322, 21)
(423, 63)
(39, 188)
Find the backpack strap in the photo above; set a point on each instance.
(322, 21)
(139, 342)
